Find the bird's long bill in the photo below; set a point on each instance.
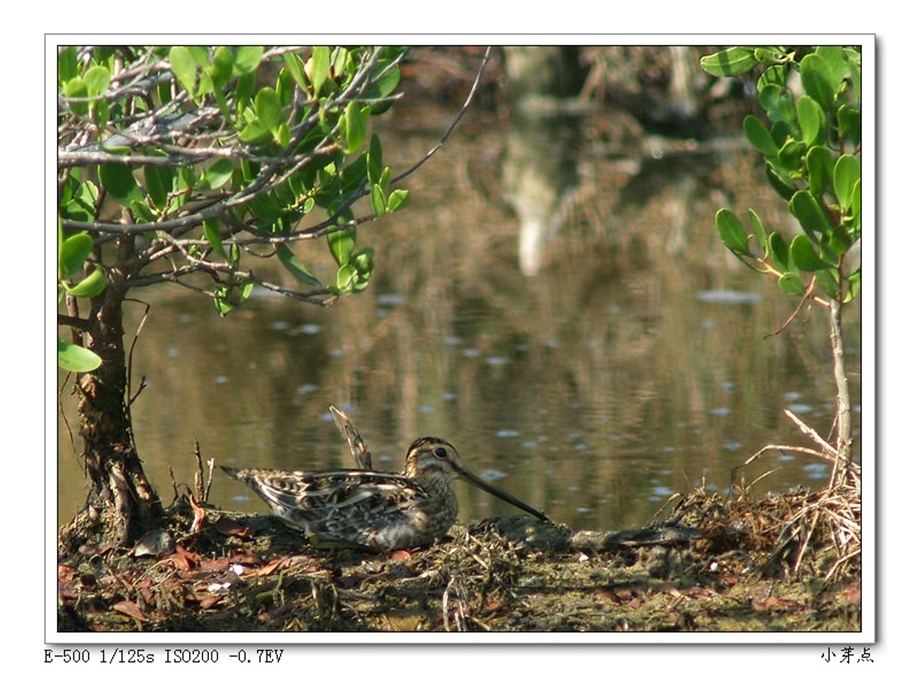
(498, 493)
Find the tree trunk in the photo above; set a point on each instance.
(121, 505)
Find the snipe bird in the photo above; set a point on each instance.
(381, 510)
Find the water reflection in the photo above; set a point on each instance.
(592, 392)
(539, 176)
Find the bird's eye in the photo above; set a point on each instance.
(441, 452)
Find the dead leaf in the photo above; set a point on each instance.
(129, 608)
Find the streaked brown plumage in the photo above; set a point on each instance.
(381, 510)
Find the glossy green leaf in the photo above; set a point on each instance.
(217, 175)
(282, 135)
(759, 233)
(730, 62)
(246, 59)
(856, 201)
(341, 244)
(67, 64)
(268, 108)
(836, 64)
(758, 135)
(184, 66)
(779, 251)
(779, 184)
(809, 212)
(397, 199)
(847, 173)
(776, 100)
(378, 200)
(76, 89)
(803, 255)
(293, 264)
(295, 66)
(819, 162)
(827, 281)
(159, 182)
(791, 284)
(73, 253)
(119, 182)
(346, 278)
(811, 118)
(374, 160)
(791, 154)
(75, 358)
(854, 281)
(221, 68)
(212, 234)
(817, 80)
(355, 121)
(97, 80)
(319, 68)
(90, 286)
(849, 123)
(732, 232)
(363, 263)
(770, 55)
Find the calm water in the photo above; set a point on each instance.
(631, 362)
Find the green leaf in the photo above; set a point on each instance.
(759, 137)
(90, 286)
(268, 108)
(97, 80)
(803, 256)
(779, 250)
(776, 100)
(119, 182)
(247, 59)
(185, 68)
(791, 154)
(363, 263)
(378, 200)
(811, 118)
(67, 64)
(354, 126)
(809, 212)
(159, 182)
(295, 66)
(73, 357)
(819, 162)
(217, 175)
(779, 184)
(76, 89)
(792, 284)
(221, 67)
(817, 80)
(847, 173)
(759, 233)
(732, 232)
(853, 283)
(849, 124)
(374, 160)
(346, 278)
(212, 233)
(341, 244)
(770, 55)
(730, 62)
(73, 253)
(319, 68)
(293, 264)
(827, 281)
(398, 199)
